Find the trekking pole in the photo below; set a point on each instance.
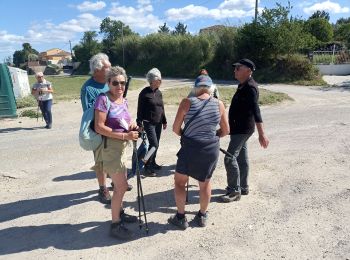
(37, 112)
(188, 183)
(140, 197)
(226, 153)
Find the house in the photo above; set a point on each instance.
(55, 56)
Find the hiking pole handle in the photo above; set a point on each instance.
(226, 152)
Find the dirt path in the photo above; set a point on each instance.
(298, 207)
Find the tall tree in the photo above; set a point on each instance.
(164, 29)
(21, 56)
(87, 47)
(180, 29)
(320, 14)
(320, 28)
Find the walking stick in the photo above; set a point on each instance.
(140, 197)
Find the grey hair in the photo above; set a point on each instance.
(96, 62)
(115, 71)
(196, 91)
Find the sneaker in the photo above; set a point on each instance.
(127, 218)
(128, 189)
(180, 223)
(232, 196)
(104, 196)
(149, 173)
(201, 220)
(118, 230)
(156, 167)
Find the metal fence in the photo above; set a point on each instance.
(330, 57)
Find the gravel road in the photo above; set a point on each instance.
(298, 207)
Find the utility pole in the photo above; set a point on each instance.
(70, 45)
(256, 11)
(123, 46)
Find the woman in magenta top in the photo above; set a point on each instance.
(113, 121)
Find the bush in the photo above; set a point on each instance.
(30, 113)
(28, 101)
(288, 69)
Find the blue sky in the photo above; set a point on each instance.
(49, 24)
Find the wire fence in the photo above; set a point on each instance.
(330, 57)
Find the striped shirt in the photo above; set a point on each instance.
(204, 125)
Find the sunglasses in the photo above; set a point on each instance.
(117, 83)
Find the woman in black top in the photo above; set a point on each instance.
(151, 114)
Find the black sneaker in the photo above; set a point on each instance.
(156, 167)
(244, 191)
(104, 196)
(231, 196)
(127, 218)
(201, 220)
(149, 173)
(180, 223)
(118, 230)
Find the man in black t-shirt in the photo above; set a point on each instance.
(244, 114)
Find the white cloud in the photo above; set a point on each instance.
(91, 6)
(227, 9)
(140, 17)
(328, 6)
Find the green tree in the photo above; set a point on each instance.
(320, 14)
(180, 29)
(320, 28)
(21, 56)
(164, 29)
(87, 47)
(342, 33)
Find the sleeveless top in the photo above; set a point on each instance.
(204, 125)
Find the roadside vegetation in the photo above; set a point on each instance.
(175, 95)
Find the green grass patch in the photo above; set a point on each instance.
(28, 101)
(266, 97)
(32, 113)
(68, 87)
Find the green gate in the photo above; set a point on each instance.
(7, 97)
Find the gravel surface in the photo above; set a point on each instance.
(298, 207)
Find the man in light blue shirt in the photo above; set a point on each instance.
(94, 86)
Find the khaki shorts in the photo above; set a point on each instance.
(113, 156)
(98, 167)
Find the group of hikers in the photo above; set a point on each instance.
(201, 120)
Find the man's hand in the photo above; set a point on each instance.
(164, 126)
(264, 141)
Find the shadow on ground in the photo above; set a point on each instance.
(14, 129)
(67, 236)
(77, 176)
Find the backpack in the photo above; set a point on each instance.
(89, 140)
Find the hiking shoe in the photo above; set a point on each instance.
(127, 218)
(201, 220)
(104, 196)
(232, 196)
(118, 230)
(128, 189)
(156, 167)
(180, 223)
(244, 191)
(149, 173)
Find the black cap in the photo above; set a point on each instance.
(246, 62)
